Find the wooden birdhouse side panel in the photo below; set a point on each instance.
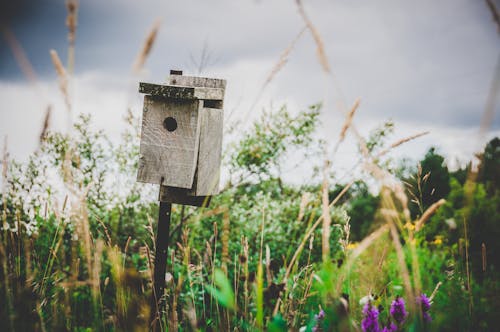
(209, 155)
(166, 153)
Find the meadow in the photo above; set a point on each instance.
(399, 246)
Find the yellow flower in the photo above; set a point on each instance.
(438, 240)
(352, 245)
(410, 226)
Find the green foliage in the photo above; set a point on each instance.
(223, 292)
(263, 148)
(84, 262)
(489, 169)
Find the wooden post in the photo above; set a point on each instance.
(181, 142)
(160, 268)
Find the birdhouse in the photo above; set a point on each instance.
(181, 137)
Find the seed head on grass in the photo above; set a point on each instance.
(146, 47)
(71, 22)
(46, 124)
(63, 77)
(320, 48)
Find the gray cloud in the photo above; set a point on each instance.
(424, 64)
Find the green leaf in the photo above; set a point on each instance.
(223, 293)
(277, 324)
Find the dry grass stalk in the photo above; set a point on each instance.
(246, 274)
(71, 23)
(19, 54)
(364, 244)
(304, 200)
(347, 124)
(268, 265)
(494, 13)
(60, 70)
(5, 163)
(428, 213)
(483, 256)
(400, 142)
(327, 220)
(225, 232)
(434, 292)
(402, 265)
(71, 19)
(491, 103)
(63, 77)
(283, 59)
(225, 240)
(467, 270)
(320, 48)
(83, 226)
(348, 120)
(417, 281)
(310, 231)
(46, 124)
(146, 47)
(96, 270)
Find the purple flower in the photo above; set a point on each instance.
(398, 311)
(319, 317)
(425, 304)
(390, 328)
(370, 320)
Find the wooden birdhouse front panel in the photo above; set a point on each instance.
(169, 141)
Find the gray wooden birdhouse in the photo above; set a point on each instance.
(181, 138)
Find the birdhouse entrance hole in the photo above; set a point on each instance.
(170, 124)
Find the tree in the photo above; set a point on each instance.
(489, 168)
(437, 185)
(429, 183)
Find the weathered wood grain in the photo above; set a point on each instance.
(167, 91)
(209, 153)
(209, 93)
(186, 158)
(193, 81)
(181, 92)
(169, 155)
(181, 196)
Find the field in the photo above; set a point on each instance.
(392, 246)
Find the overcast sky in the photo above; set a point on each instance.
(427, 64)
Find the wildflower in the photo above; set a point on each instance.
(320, 315)
(365, 299)
(370, 320)
(390, 328)
(318, 318)
(425, 304)
(398, 311)
(352, 245)
(438, 240)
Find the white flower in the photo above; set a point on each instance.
(364, 300)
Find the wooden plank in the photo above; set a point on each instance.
(171, 155)
(167, 91)
(209, 93)
(193, 81)
(181, 92)
(181, 196)
(209, 153)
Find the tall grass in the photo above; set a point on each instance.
(256, 260)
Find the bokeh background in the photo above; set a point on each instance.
(426, 65)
